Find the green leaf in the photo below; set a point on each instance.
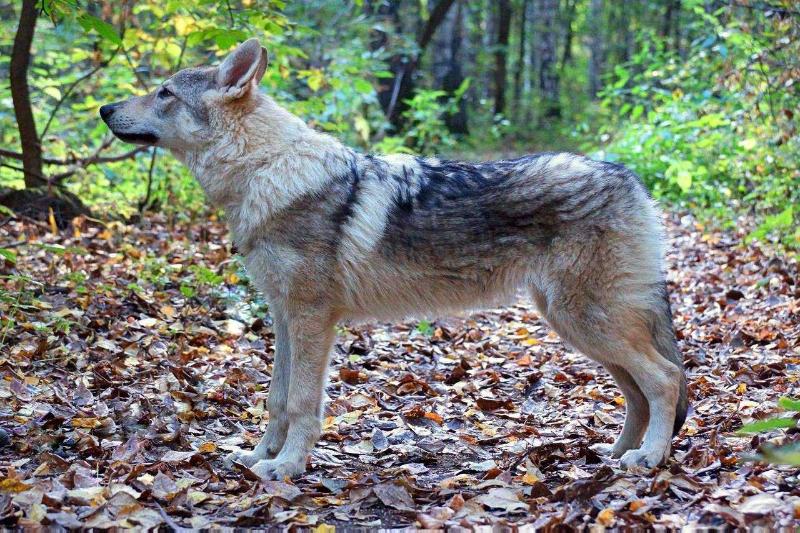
(228, 38)
(782, 220)
(187, 291)
(781, 455)
(8, 255)
(425, 327)
(315, 79)
(53, 248)
(52, 92)
(761, 426)
(459, 93)
(680, 172)
(361, 85)
(104, 29)
(361, 126)
(789, 404)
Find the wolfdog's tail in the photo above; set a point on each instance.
(663, 333)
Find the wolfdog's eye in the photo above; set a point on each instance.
(164, 93)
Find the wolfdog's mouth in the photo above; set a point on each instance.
(138, 138)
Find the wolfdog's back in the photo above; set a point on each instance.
(456, 234)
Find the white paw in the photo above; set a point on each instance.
(247, 459)
(642, 457)
(615, 450)
(603, 449)
(278, 469)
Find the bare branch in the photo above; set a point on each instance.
(116, 158)
(146, 200)
(434, 21)
(25, 172)
(93, 159)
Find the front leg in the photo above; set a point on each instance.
(311, 334)
(275, 434)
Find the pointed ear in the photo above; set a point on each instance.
(245, 64)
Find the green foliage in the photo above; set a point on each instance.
(713, 130)
(206, 276)
(425, 328)
(788, 454)
(104, 29)
(762, 426)
(426, 131)
(781, 455)
(17, 292)
(8, 255)
(789, 404)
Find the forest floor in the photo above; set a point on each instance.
(140, 357)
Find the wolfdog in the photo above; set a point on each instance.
(329, 234)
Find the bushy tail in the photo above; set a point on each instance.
(665, 342)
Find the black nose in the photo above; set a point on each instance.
(107, 110)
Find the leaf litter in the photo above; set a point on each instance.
(134, 357)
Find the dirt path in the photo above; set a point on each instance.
(137, 357)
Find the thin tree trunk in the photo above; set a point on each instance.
(666, 23)
(569, 32)
(519, 68)
(548, 74)
(20, 95)
(501, 55)
(677, 28)
(532, 78)
(597, 48)
(487, 41)
(447, 71)
(629, 13)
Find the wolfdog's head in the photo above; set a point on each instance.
(184, 112)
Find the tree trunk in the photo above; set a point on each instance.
(20, 95)
(501, 55)
(393, 93)
(532, 61)
(546, 44)
(447, 61)
(676, 25)
(666, 23)
(519, 68)
(569, 32)
(487, 41)
(628, 15)
(597, 49)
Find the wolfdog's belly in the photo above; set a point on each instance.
(393, 286)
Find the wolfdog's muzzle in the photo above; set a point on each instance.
(115, 124)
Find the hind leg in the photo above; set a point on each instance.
(659, 380)
(637, 414)
(619, 338)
